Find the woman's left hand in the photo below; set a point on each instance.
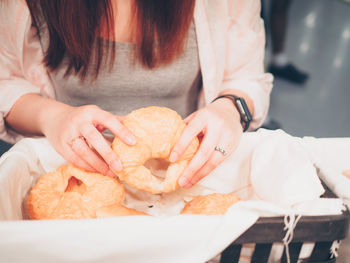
(218, 127)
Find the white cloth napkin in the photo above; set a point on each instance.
(332, 156)
(271, 170)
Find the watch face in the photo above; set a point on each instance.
(243, 109)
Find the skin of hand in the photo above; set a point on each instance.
(75, 133)
(218, 124)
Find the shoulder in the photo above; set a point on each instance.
(15, 20)
(244, 11)
(13, 11)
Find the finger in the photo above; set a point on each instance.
(215, 159)
(80, 147)
(190, 117)
(120, 118)
(116, 127)
(201, 157)
(99, 143)
(190, 132)
(73, 158)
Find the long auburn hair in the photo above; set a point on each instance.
(74, 28)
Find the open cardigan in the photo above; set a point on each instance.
(231, 44)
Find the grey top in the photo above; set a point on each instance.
(129, 86)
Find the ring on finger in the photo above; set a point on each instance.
(220, 149)
(76, 138)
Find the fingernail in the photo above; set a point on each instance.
(116, 166)
(173, 157)
(183, 181)
(130, 139)
(110, 173)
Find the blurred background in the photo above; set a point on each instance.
(317, 42)
(308, 49)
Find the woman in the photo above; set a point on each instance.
(59, 59)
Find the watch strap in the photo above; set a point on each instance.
(242, 108)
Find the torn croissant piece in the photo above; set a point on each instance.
(346, 173)
(118, 210)
(72, 193)
(212, 204)
(157, 130)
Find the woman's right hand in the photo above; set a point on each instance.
(75, 133)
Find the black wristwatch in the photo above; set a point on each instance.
(242, 108)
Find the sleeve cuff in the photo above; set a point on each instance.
(259, 92)
(11, 91)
